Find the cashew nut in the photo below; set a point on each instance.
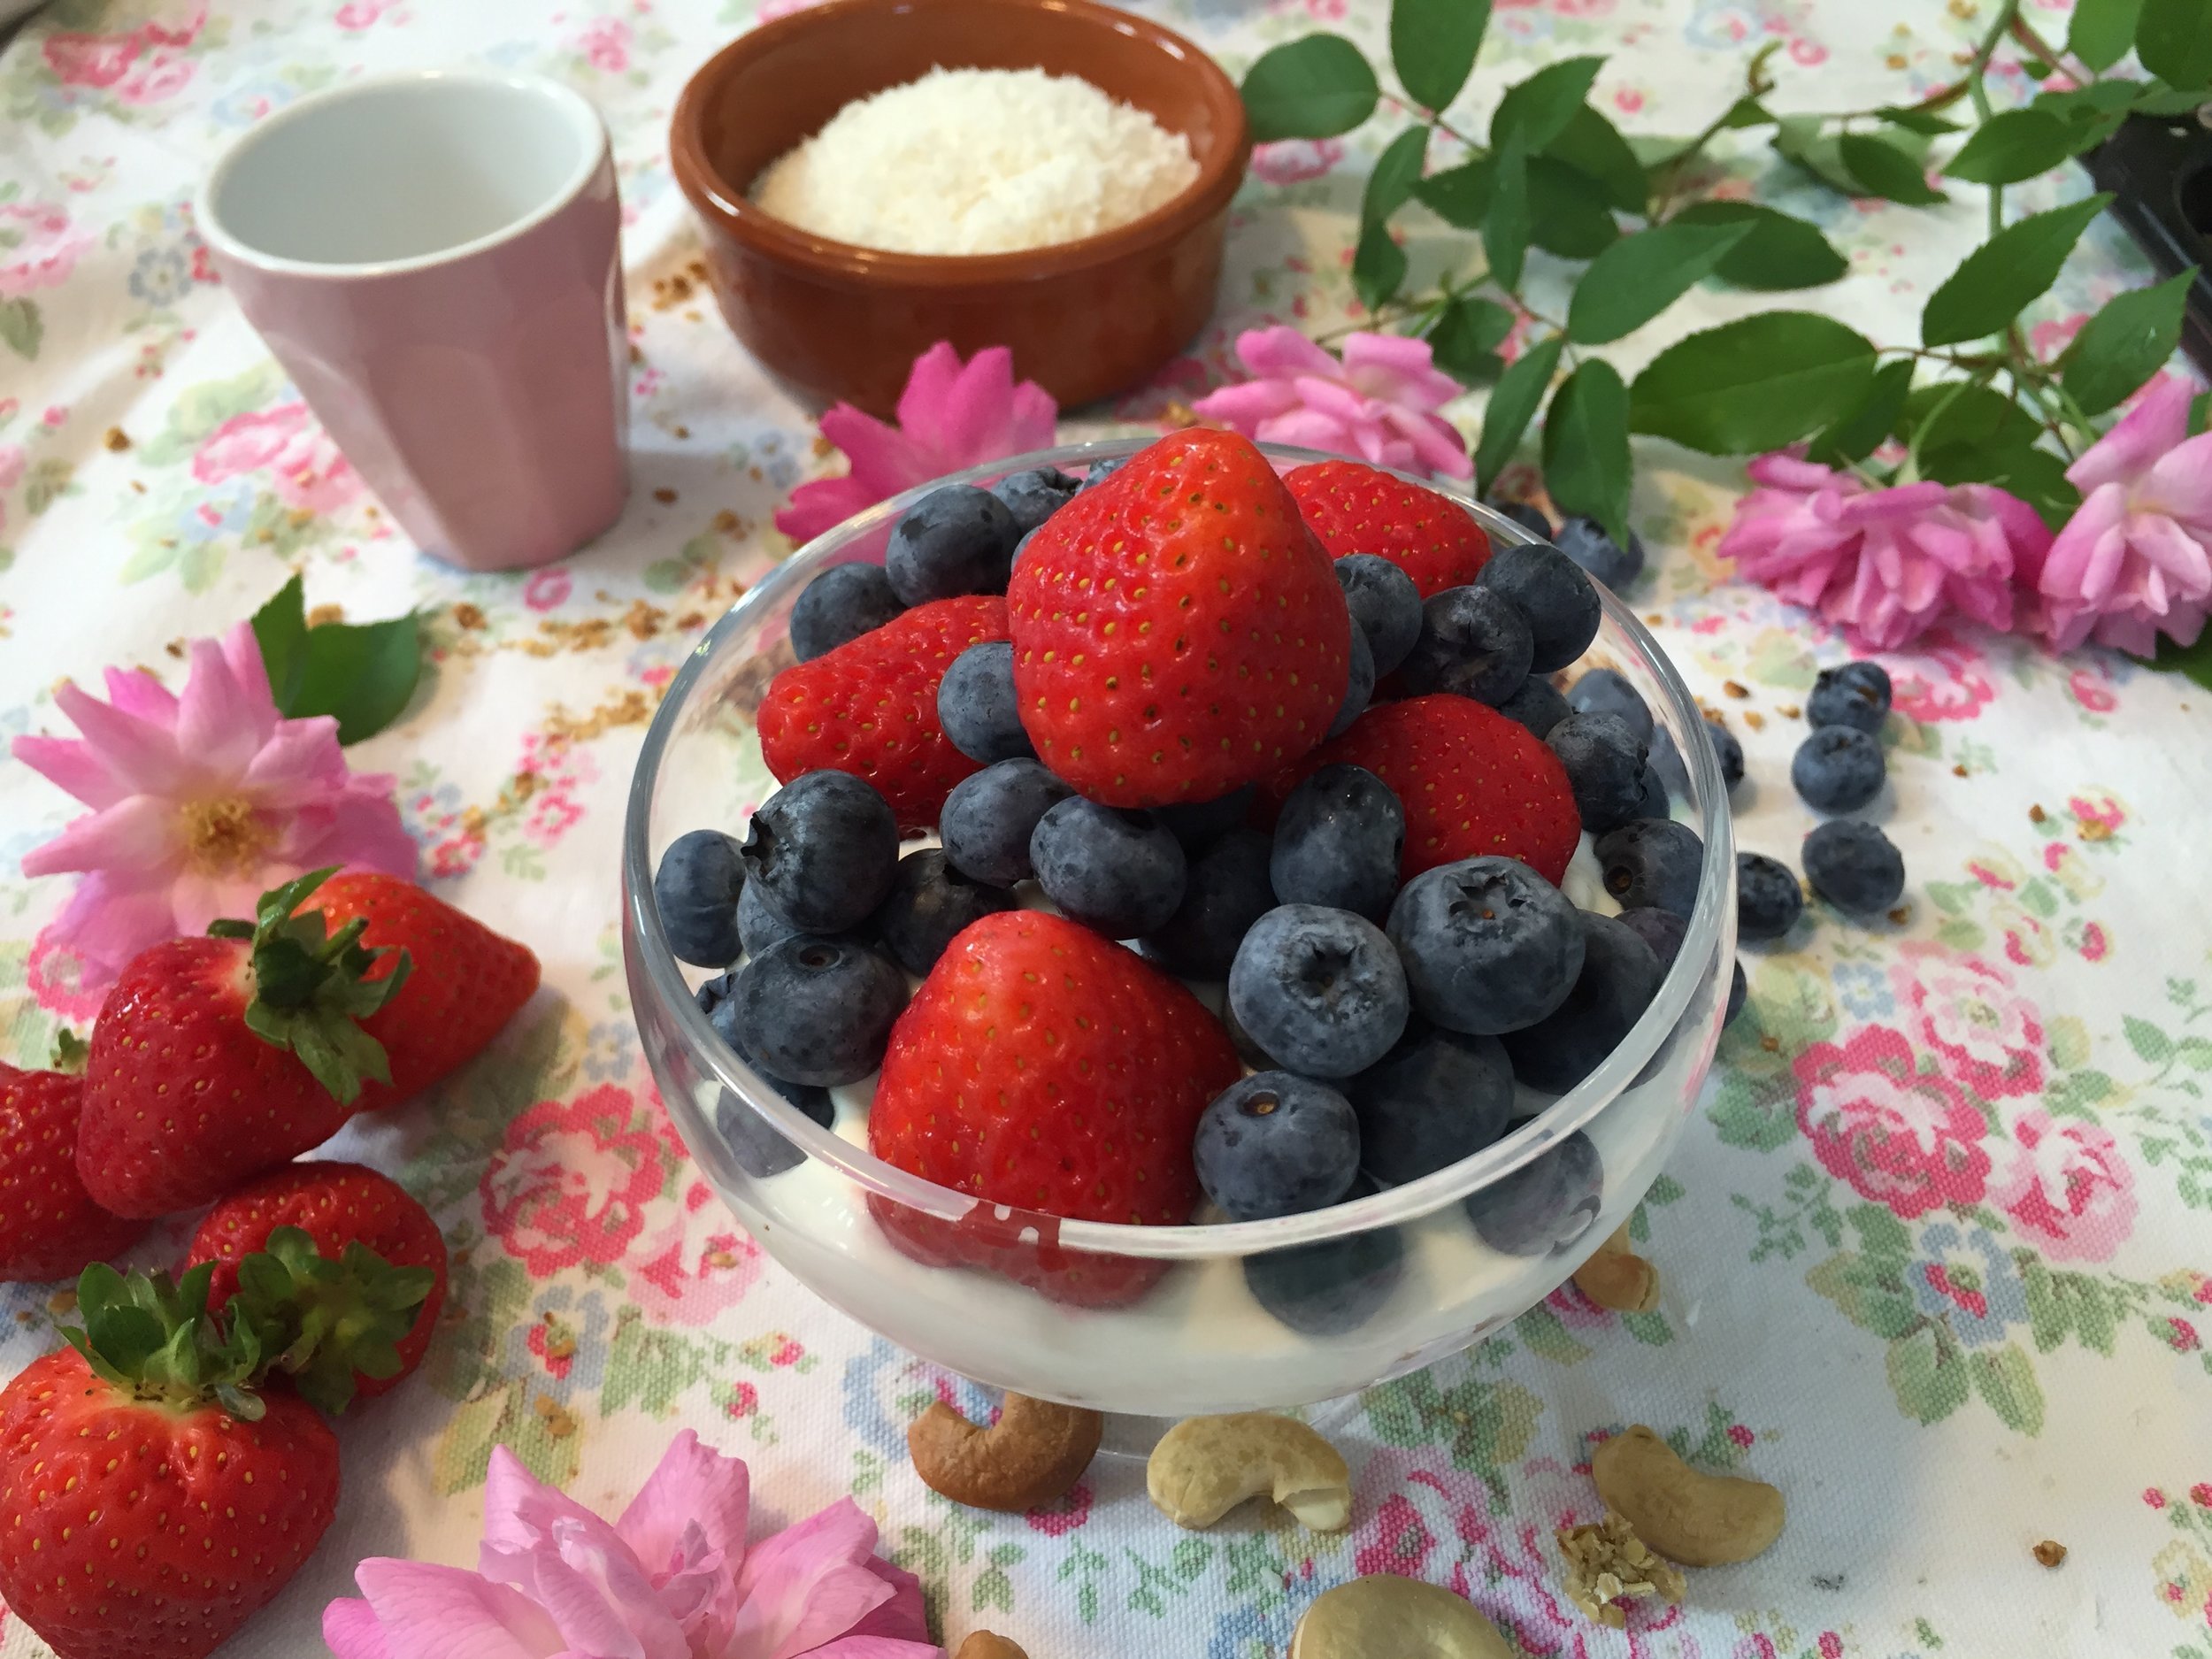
(1384, 1616)
(1204, 1467)
(1032, 1455)
(983, 1644)
(1699, 1520)
(1617, 1278)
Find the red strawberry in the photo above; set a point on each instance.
(467, 981)
(150, 1502)
(870, 707)
(216, 1058)
(1043, 1067)
(1356, 509)
(1177, 632)
(50, 1227)
(366, 1258)
(1472, 783)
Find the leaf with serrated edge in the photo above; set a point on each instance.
(1753, 385)
(1432, 46)
(1998, 280)
(1317, 87)
(1513, 404)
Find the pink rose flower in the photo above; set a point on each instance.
(1898, 1136)
(1376, 405)
(1883, 564)
(304, 467)
(571, 1181)
(46, 248)
(1969, 1013)
(951, 415)
(201, 803)
(673, 1578)
(2068, 1188)
(2135, 560)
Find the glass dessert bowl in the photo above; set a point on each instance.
(1159, 1321)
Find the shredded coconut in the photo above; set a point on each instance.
(969, 161)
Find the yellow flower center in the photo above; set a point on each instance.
(225, 836)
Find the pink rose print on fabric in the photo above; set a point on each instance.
(1967, 1012)
(57, 975)
(1902, 1138)
(1941, 679)
(570, 1182)
(39, 246)
(605, 45)
(143, 67)
(304, 464)
(696, 1261)
(1290, 160)
(2068, 1188)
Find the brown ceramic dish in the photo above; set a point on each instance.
(1085, 318)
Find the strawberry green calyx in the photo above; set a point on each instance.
(311, 989)
(152, 1338)
(70, 1052)
(323, 1322)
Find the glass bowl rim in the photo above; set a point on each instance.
(1391, 1206)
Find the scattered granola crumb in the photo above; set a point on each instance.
(1958, 770)
(323, 615)
(2036, 814)
(467, 616)
(1901, 915)
(1898, 60)
(1771, 1044)
(636, 355)
(2095, 830)
(643, 620)
(560, 1423)
(1788, 711)
(1178, 415)
(560, 1341)
(664, 495)
(299, 518)
(1735, 689)
(694, 316)
(63, 1301)
(679, 431)
(627, 708)
(2050, 1552)
(1753, 719)
(116, 439)
(822, 448)
(1652, 618)
(139, 488)
(175, 648)
(726, 523)
(1607, 1561)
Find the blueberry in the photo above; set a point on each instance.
(1119, 872)
(1738, 988)
(1837, 769)
(1198, 824)
(760, 929)
(1224, 892)
(823, 849)
(1359, 685)
(1652, 861)
(977, 707)
(990, 816)
(1727, 751)
(1319, 989)
(1473, 642)
(759, 1150)
(1853, 866)
(1855, 695)
(1549, 589)
(1605, 767)
(1255, 1056)
(1276, 1144)
(1034, 495)
(1537, 705)
(818, 1010)
(1384, 603)
(1530, 519)
(1488, 944)
(843, 602)
(1767, 898)
(1586, 542)
(1620, 975)
(1100, 471)
(957, 539)
(1604, 691)
(1436, 1098)
(1666, 760)
(1651, 793)
(696, 890)
(1662, 930)
(1331, 1286)
(1546, 1206)
(929, 902)
(1338, 842)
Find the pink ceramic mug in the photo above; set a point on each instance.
(432, 258)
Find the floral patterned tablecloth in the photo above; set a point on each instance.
(1938, 1244)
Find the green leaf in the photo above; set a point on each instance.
(1885, 170)
(1432, 46)
(2125, 343)
(1998, 280)
(362, 675)
(1397, 170)
(2005, 1378)
(2011, 146)
(1505, 228)
(1639, 276)
(1459, 195)
(2174, 40)
(2150, 1045)
(1780, 253)
(1585, 446)
(1747, 113)
(1569, 213)
(1753, 385)
(1799, 138)
(1926, 123)
(1952, 413)
(1466, 336)
(1855, 436)
(22, 326)
(1513, 404)
(2101, 31)
(1378, 267)
(2193, 661)
(279, 628)
(1594, 147)
(1540, 108)
(1313, 88)
(1927, 1374)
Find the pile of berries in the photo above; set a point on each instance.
(1295, 737)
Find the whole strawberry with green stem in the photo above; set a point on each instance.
(216, 1058)
(151, 1499)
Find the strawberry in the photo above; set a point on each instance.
(1473, 782)
(357, 1252)
(466, 984)
(1177, 632)
(1356, 509)
(1043, 1067)
(870, 707)
(216, 1058)
(150, 1502)
(50, 1227)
